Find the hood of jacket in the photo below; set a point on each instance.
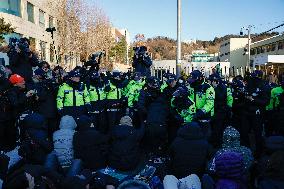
(274, 143)
(190, 131)
(122, 131)
(34, 121)
(67, 122)
(231, 138)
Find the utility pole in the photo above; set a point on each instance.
(178, 59)
(249, 44)
(126, 56)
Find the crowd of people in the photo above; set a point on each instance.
(88, 129)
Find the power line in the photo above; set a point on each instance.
(269, 30)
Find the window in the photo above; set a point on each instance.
(273, 46)
(30, 11)
(268, 48)
(280, 44)
(50, 22)
(43, 50)
(11, 7)
(32, 43)
(262, 49)
(51, 53)
(41, 18)
(252, 51)
(258, 50)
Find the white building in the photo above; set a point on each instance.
(232, 50)
(270, 50)
(30, 18)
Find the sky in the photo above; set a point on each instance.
(201, 19)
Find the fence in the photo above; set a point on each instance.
(226, 71)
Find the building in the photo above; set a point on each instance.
(232, 50)
(201, 56)
(270, 50)
(30, 18)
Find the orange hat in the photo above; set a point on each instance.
(15, 78)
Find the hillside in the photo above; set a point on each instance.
(164, 48)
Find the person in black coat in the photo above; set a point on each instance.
(189, 151)
(274, 173)
(6, 119)
(46, 103)
(21, 60)
(90, 145)
(142, 61)
(125, 140)
(34, 137)
(154, 109)
(257, 96)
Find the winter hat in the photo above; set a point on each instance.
(231, 138)
(34, 120)
(67, 122)
(274, 143)
(74, 73)
(39, 72)
(126, 120)
(190, 130)
(229, 165)
(83, 122)
(133, 184)
(191, 182)
(15, 78)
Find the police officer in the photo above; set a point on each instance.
(183, 105)
(238, 92)
(116, 102)
(256, 99)
(132, 95)
(203, 95)
(222, 107)
(97, 98)
(73, 97)
(277, 98)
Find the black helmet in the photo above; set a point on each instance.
(153, 82)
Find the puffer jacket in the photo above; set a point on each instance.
(90, 145)
(189, 151)
(124, 152)
(63, 140)
(35, 143)
(231, 142)
(230, 171)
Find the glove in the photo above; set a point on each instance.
(179, 119)
(199, 114)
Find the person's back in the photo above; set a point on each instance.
(124, 152)
(189, 151)
(90, 145)
(63, 140)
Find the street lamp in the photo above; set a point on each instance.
(248, 28)
(178, 59)
(52, 30)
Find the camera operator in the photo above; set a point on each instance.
(142, 61)
(94, 61)
(21, 59)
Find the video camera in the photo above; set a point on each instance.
(19, 46)
(140, 52)
(95, 60)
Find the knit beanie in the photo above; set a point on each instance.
(126, 120)
(231, 138)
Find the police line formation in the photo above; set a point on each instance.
(89, 129)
